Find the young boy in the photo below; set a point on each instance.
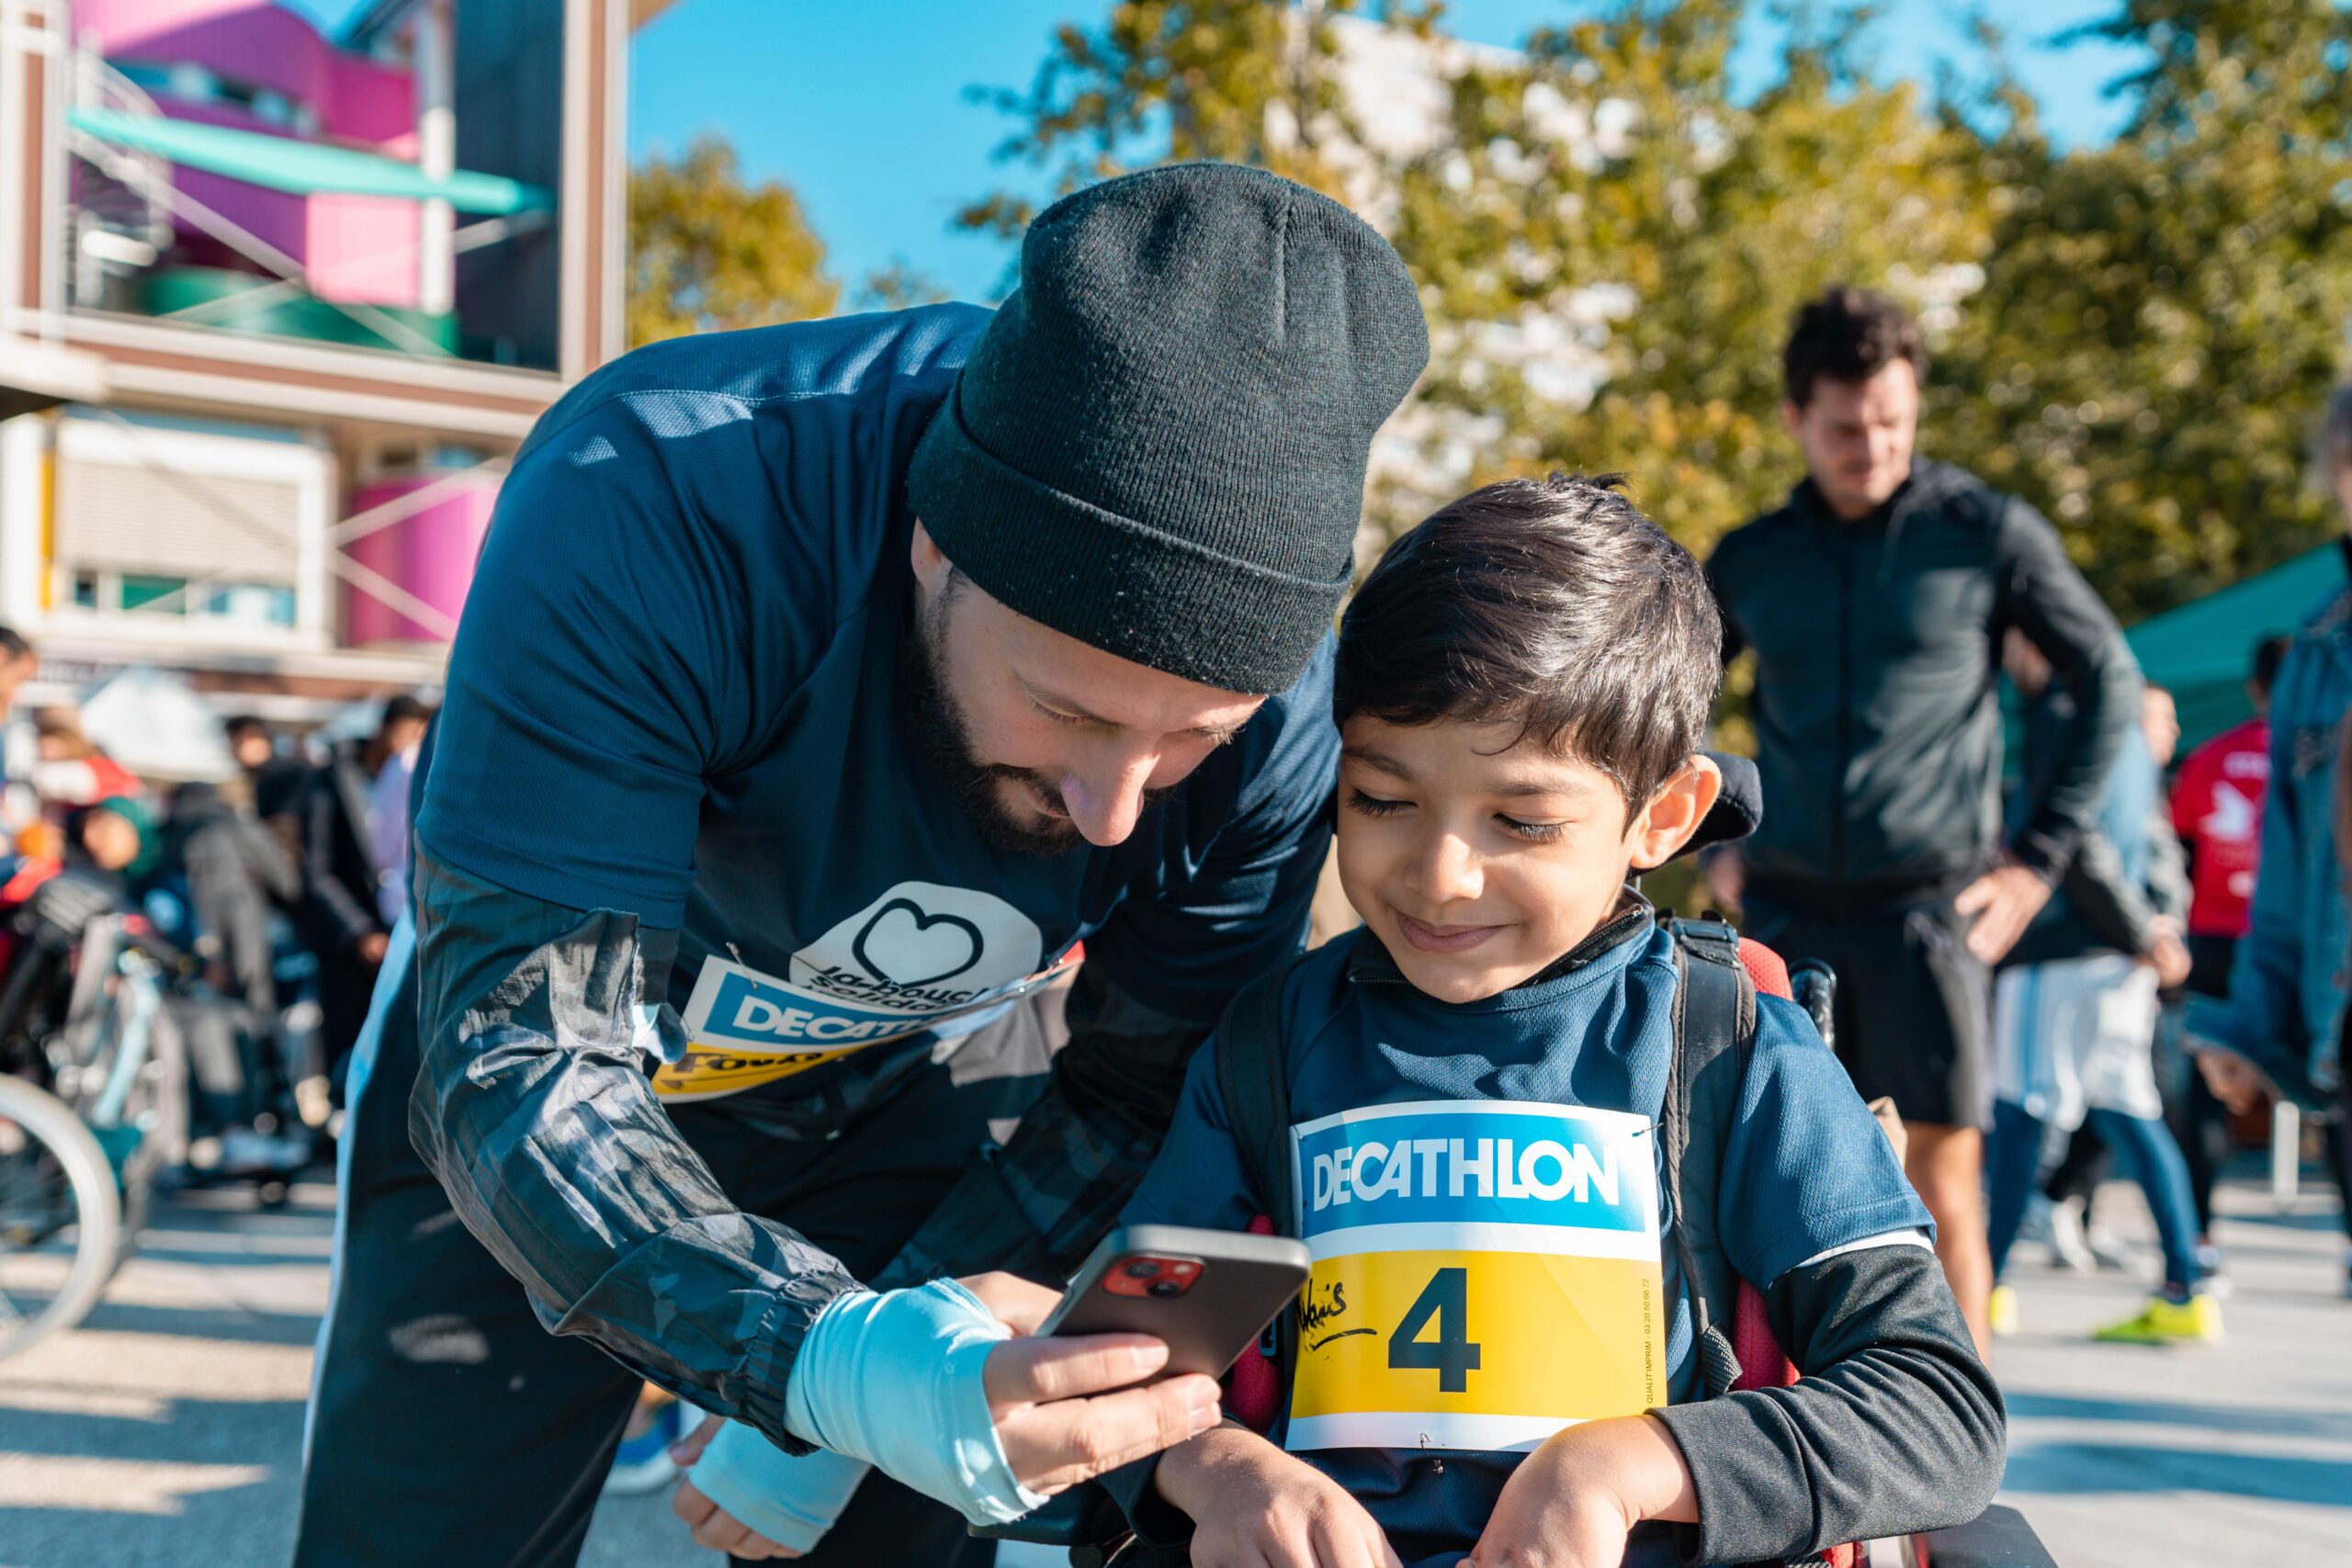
(1476, 1076)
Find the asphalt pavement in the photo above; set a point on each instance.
(167, 1429)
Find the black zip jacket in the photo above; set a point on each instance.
(2129, 871)
(1878, 647)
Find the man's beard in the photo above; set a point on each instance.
(946, 736)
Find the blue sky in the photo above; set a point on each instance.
(860, 104)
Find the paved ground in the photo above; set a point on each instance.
(167, 1430)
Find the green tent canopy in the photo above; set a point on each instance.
(2201, 652)
(304, 168)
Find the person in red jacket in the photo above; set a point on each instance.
(2217, 811)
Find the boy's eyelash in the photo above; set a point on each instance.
(1533, 832)
(1372, 805)
(1055, 715)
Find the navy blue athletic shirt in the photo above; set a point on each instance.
(1806, 1170)
(679, 691)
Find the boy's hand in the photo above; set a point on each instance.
(1574, 1500)
(1255, 1506)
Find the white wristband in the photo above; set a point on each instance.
(792, 1501)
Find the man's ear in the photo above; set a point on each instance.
(1792, 418)
(1675, 812)
(930, 563)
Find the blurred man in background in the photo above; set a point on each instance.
(1875, 601)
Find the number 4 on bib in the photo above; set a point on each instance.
(1450, 1355)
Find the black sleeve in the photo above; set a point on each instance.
(2040, 592)
(1037, 1206)
(2110, 903)
(265, 857)
(1894, 1425)
(323, 821)
(534, 1108)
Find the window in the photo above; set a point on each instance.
(155, 595)
(215, 533)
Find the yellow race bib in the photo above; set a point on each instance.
(1485, 1273)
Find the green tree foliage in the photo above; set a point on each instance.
(1165, 81)
(1613, 245)
(709, 252)
(897, 286)
(1611, 242)
(2162, 318)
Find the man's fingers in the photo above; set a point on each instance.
(691, 1506)
(1033, 1372)
(1974, 896)
(722, 1531)
(1056, 1446)
(689, 1448)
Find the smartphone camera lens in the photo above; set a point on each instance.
(1165, 1288)
(1142, 1268)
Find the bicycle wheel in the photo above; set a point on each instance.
(61, 1216)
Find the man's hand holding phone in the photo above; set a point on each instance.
(1054, 1416)
(1055, 1421)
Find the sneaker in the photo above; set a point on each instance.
(2066, 1239)
(2164, 1322)
(2213, 1265)
(643, 1463)
(2109, 1250)
(2001, 1311)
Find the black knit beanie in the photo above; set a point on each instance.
(1159, 445)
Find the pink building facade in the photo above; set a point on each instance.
(253, 66)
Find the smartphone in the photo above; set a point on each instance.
(1206, 1295)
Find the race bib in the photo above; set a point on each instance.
(920, 957)
(1483, 1274)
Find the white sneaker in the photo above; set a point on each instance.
(2066, 1239)
(2110, 1250)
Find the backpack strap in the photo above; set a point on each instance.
(1715, 1035)
(1252, 1080)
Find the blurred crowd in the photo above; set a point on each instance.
(269, 894)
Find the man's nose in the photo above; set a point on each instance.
(1105, 801)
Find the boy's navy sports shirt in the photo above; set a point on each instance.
(680, 694)
(1806, 1169)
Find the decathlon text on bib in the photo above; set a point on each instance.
(1485, 1273)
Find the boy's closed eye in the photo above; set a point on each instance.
(1533, 831)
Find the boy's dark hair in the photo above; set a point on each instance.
(241, 723)
(13, 646)
(1848, 335)
(2268, 654)
(1553, 604)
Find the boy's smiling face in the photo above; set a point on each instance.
(1478, 858)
